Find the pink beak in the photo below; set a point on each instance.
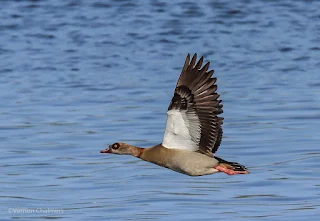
(108, 150)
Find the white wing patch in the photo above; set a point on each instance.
(183, 130)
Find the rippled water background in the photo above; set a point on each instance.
(76, 76)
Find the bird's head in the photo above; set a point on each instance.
(119, 148)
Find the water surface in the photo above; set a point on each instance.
(77, 76)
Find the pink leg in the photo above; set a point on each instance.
(230, 171)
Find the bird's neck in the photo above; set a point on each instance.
(136, 151)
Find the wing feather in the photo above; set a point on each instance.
(194, 108)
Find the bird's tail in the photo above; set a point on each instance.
(230, 168)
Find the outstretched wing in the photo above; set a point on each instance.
(192, 118)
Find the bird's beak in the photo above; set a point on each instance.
(108, 150)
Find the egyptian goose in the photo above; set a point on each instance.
(193, 130)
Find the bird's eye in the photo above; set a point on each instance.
(115, 146)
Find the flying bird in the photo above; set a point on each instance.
(193, 130)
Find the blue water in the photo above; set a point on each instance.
(76, 76)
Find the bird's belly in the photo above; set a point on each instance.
(194, 169)
(192, 164)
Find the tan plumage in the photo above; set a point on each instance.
(193, 130)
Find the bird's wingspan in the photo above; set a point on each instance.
(192, 118)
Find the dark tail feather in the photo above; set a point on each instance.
(232, 165)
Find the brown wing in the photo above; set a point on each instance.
(195, 95)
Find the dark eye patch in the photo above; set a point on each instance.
(115, 146)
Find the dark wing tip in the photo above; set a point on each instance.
(186, 63)
(193, 60)
(199, 64)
